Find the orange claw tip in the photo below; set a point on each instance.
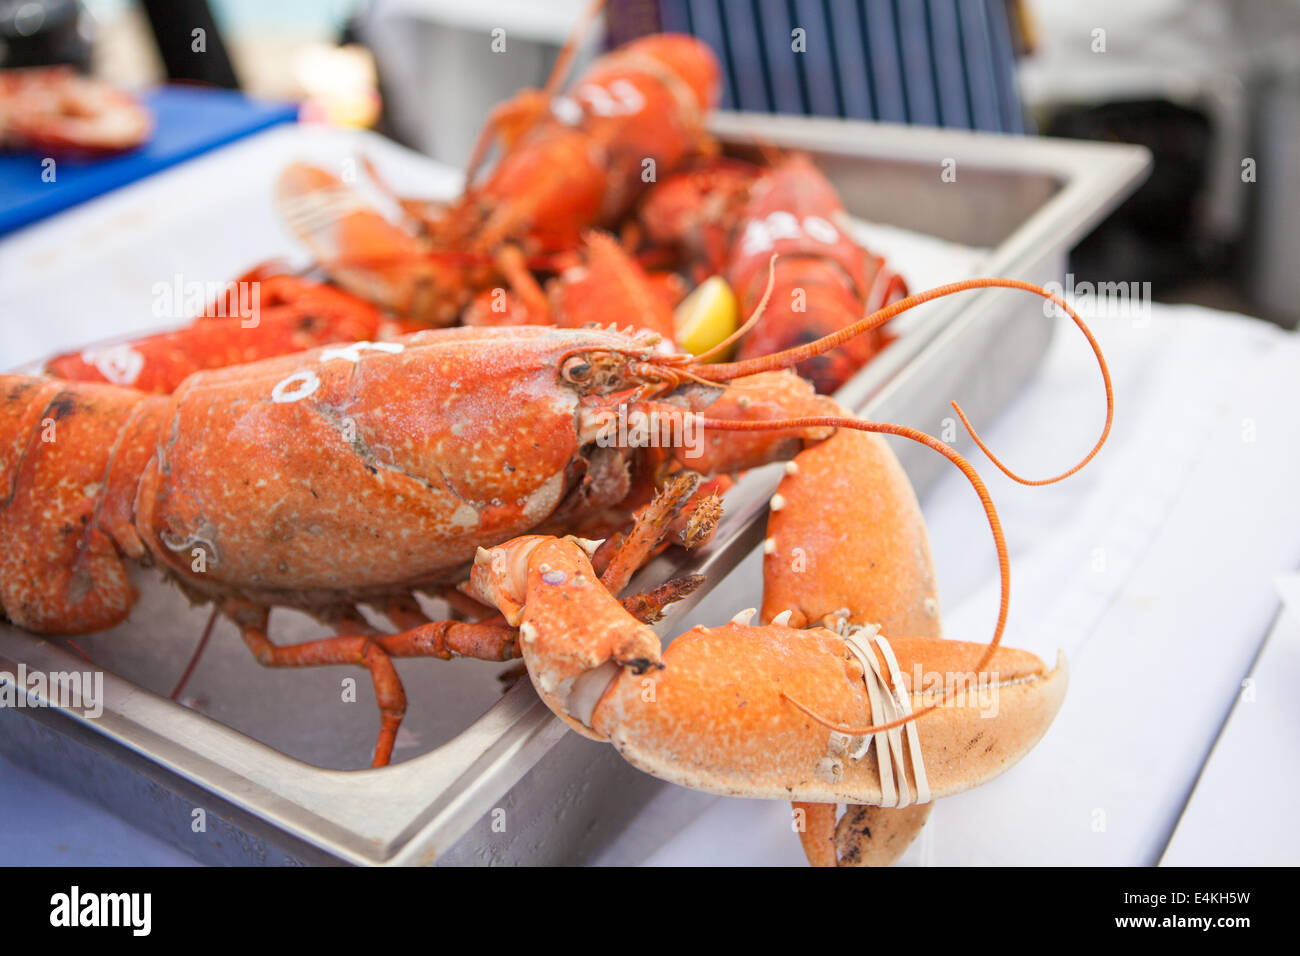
(721, 719)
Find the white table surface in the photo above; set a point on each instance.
(1154, 569)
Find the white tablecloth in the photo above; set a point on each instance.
(1153, 569)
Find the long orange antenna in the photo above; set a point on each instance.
(564, 61)
(559, 73)
(726, 371)
(990, 512)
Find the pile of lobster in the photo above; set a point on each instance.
(334, 456)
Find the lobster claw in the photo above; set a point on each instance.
(722, 715)
(574, 635)
(764, 711)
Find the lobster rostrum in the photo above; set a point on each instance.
(567, 163)
(366, 472)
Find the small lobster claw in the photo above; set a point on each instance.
(574, 636)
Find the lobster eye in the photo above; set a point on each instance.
(576, 370)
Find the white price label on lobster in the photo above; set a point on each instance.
(761, 235)
(620, 98)
(301, 384)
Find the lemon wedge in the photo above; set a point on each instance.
(706, 317)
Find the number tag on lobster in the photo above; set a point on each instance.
(304, 382)
(761, 235)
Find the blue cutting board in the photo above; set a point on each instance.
(188, 121)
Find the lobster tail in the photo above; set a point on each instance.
(68, 454)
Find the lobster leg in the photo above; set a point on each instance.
(375, 652)
(405, 612)
(359, 649)
(648, 606)
(652, 524)
(448, 639)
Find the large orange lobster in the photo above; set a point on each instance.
(363, 473)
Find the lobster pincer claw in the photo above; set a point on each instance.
(574, 635)
(767, 711)
(731, 712)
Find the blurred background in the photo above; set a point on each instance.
(1211, 87)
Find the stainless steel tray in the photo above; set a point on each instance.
(497, 778)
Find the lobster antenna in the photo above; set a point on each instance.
(789, 357)
(559, 72)
(564, 61)
(990, 512)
